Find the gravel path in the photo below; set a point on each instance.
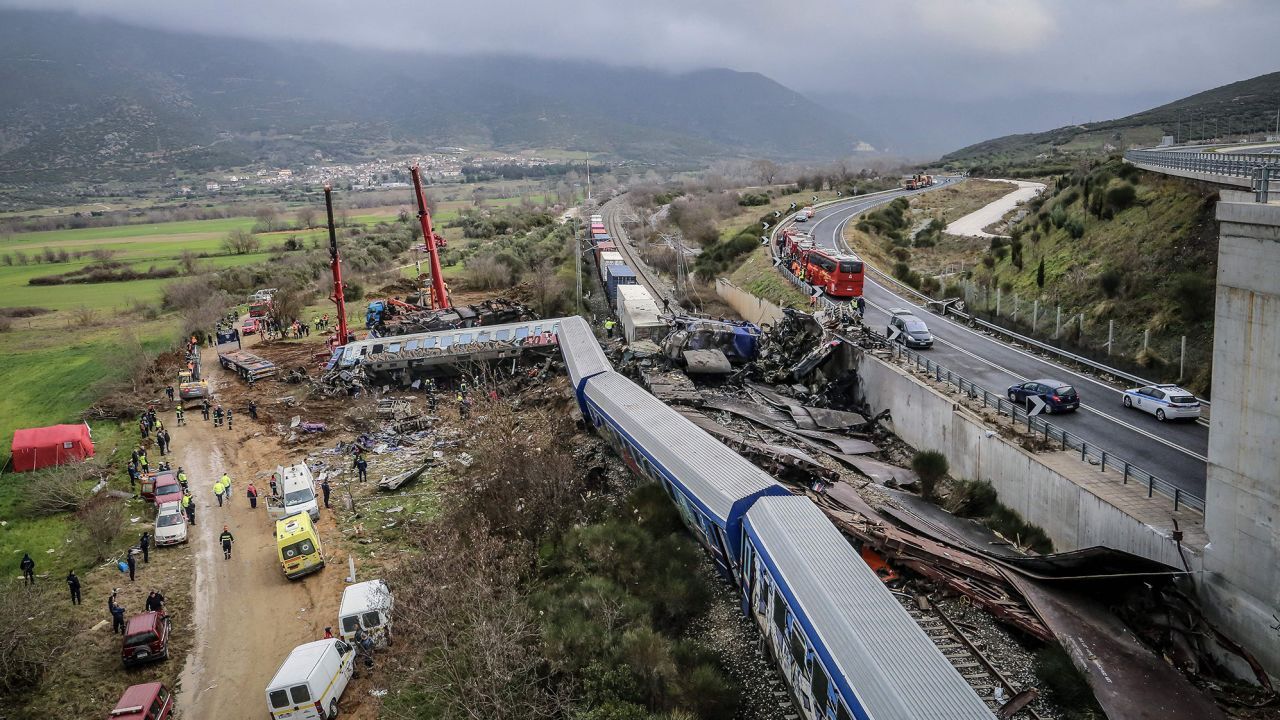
(972, 225)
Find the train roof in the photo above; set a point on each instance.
(886, 662)
(582, 354)
(717, 478)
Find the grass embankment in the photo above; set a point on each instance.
(1115, 244)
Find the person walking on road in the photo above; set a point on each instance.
(217, 415)
(182, 478)
(608, 327)
(180, 416)
(226, 486)
(217, 492)
(228, 418)
(168, 391)
(117, 615)
(226, 538)
(28, 569)
(204, 409)
(362, 467)
(189, 506)
(252, 493)
(73, 584)
(253, 410)
(324, 490)
(144, 543)
(132, 563)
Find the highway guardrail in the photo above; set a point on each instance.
(1037, 425)
(1243, 165)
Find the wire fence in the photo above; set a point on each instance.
(1036, 425)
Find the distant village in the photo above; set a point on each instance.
(442, 166)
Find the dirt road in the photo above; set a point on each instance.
(248, 616)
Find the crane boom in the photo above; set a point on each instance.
(439, 295)
(335, 264)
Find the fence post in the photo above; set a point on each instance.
(1035, 314)
(1182, 360)
(1084, 448)
(1057, 324)
(999, 297)
(1104, 461)
(1111, 334)
(1146, 338)
(1125, 480)
(1177, 498)
(1151, 485)
(1016, 307)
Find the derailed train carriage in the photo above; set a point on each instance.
(844, 645)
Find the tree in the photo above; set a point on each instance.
(267, 218)
(766, 170)
(240, 242)
(931, 466)
(1040, 274)
(306, 217)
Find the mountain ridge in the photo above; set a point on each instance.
(1248, 106)
(138, 101)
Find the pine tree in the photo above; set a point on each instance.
(1040, 274)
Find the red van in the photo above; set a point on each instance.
(151, 701)
(146, 638)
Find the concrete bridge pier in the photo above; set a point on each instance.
(1241, 588)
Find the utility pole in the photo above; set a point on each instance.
(588, 179)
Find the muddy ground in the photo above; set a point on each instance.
(248, 616)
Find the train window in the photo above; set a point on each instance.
(522, 332)
(377, 348)
(411, 345)
(482, 337)
(797, 645)
(393, 347)
(503, 335)
(444, 341)
(465, 338)
(779, 612)
(819, 685)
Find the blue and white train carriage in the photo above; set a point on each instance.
(846, 647)
(711, 485)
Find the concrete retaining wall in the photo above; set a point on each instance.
(1037, 486)
(750, 307)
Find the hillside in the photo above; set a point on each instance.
(1121, 249)
(1241, 108)
(91, 97)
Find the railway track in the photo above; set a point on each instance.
(647, 277)
(966, 657)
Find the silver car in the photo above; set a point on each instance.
(171, 525)
(1166, 402)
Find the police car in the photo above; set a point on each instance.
(1166, 402)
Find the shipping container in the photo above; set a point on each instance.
(641, 317)
(606, 259)
(618, 275)
(603, 247)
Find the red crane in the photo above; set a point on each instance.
(335, 264)
(439, 295)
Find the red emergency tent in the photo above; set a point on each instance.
(35, 448)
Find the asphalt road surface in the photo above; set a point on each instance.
(1173, 451)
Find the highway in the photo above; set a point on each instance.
(1174, 452)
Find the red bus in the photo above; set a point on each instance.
(837, 274)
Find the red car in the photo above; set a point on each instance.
(146, 638)
(151, 701)
(251, 326)
(166, 488)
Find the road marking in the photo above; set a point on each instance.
(1111, 418)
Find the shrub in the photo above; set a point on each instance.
(1110, 281)
(753, 199)
(1194, 294)
(931, 466)
(1075, 228)
(901, 253)
(1120, 196)
(901, 270)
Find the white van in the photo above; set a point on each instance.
(310, 681)
(366, 605)
(297, 493)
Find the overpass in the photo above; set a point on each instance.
(1252, 170)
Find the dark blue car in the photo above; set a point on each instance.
(1057, 396)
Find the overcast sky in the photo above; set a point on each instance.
(948, 48)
